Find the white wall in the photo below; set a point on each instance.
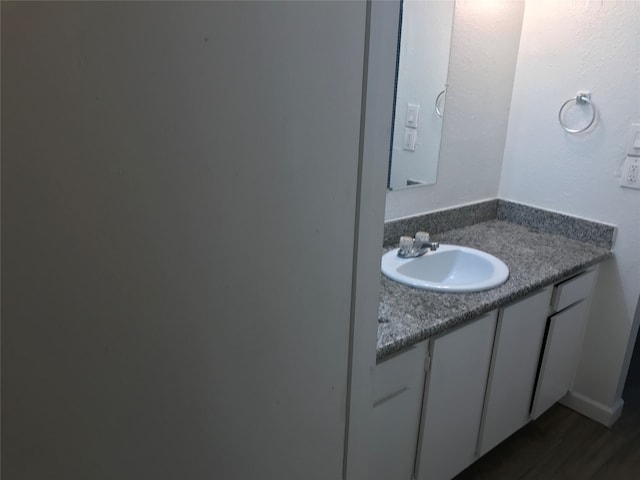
(483, 56)
(178, 199)
(592, 46)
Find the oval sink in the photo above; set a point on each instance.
(451, 268)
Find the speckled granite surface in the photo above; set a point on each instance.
(536, 259)
(588, 231)
(437, 222)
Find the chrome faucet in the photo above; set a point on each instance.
(416, 247)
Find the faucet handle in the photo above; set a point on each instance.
(422, 238)
(406, 243)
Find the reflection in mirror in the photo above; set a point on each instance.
(425, 41)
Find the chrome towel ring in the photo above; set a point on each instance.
(438, 98)
(582, 98)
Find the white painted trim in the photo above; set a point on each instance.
(596, 411)
(379, 77)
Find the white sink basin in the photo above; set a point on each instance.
(451, 268)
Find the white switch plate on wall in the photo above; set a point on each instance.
(410, 136)
(633, 148)
(412, 115)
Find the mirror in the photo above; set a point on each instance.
(425, 43)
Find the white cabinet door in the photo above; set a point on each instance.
(560, 358)
(454, 397)
(516, 354)
(398, 392)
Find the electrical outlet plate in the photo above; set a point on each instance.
(631, 173)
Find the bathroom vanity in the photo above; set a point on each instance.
(459, 373)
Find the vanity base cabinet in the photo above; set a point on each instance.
(483, 382)
(516, 355)
(454, 397)
(398, 393)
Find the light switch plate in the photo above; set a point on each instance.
(410, 135)
(412, 115)
(633, 147)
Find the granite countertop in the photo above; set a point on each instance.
(535, 259)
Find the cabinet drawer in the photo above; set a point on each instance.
(573, 290)
(397, 373)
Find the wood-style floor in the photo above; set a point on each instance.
(562, 444)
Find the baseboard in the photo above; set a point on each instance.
(596, 411)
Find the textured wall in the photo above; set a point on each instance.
(483, 56)
(591, 46)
